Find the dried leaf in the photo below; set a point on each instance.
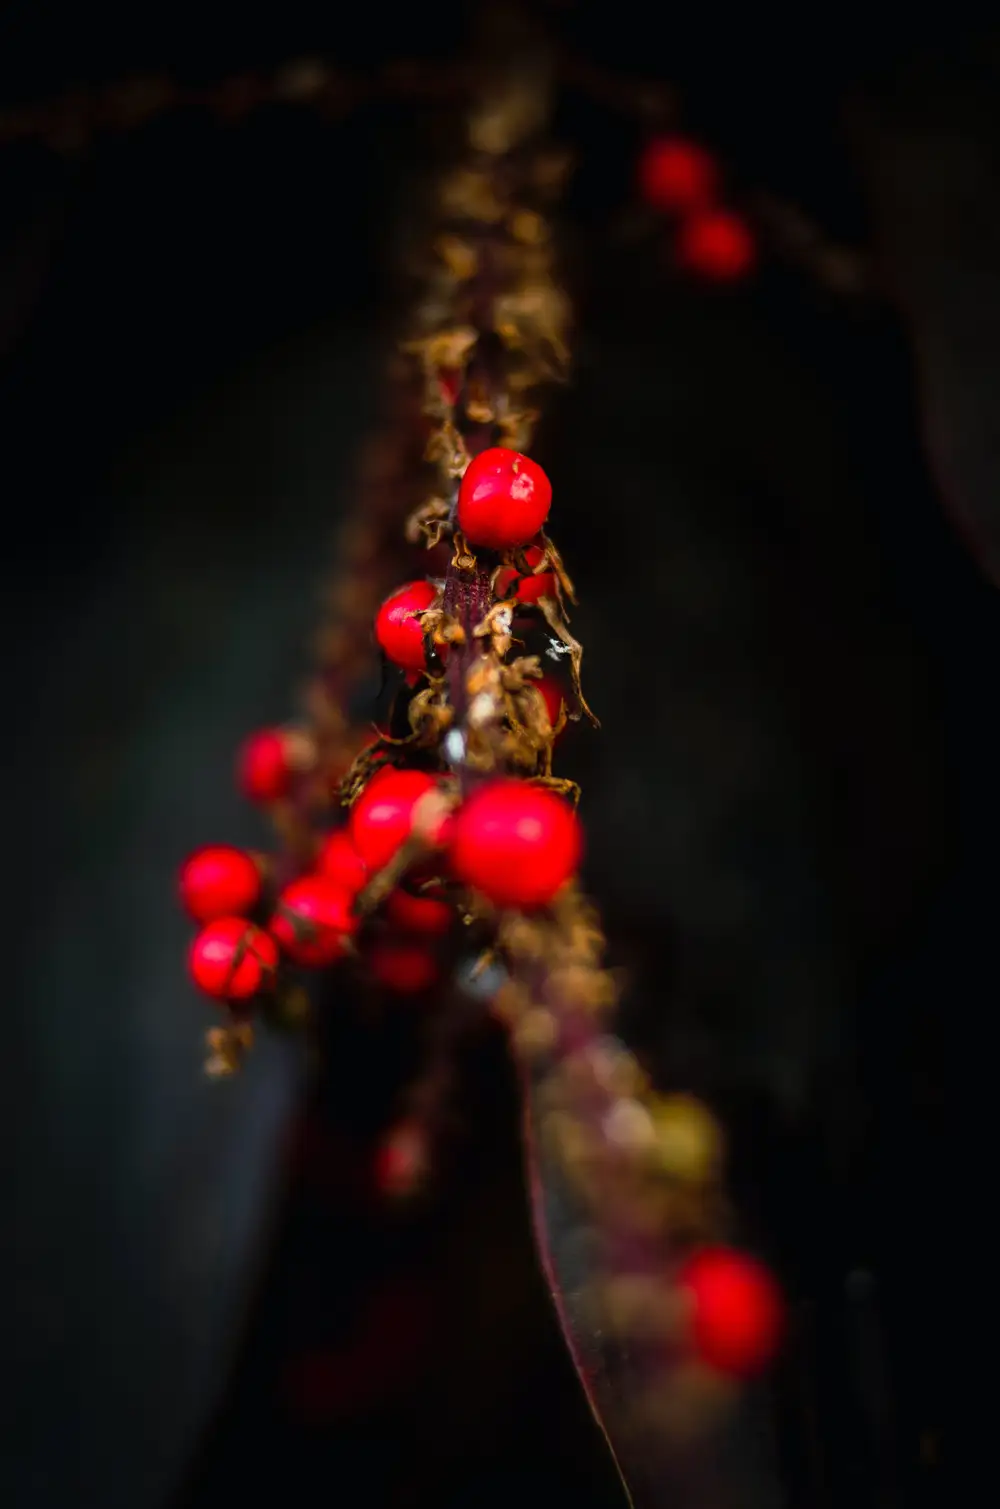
(574, 649)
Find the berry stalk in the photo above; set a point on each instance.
(455, 812)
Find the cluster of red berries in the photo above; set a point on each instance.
(679, 178)
(513, 843)
(400, 635)
(503, 503)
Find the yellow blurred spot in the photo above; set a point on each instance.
(689, 1143)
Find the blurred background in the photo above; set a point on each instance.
(778, 500)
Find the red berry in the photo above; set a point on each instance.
(419, 914)
(450, 383)
(403, 966)
(380, 1355)
(341, 864)
(517, 844)
(402, 1160)
(231, 959)
(398, 632)
(529, 588)
(503, 500)
(717, 245)
(552, 697)
(382, 817)
(268, 763)
(219, 881)
(676, 175)
(736, 1310)
(314, 920)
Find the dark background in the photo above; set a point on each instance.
(779, 508)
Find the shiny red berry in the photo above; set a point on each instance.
(529, 588)
(717, 245)
(517, 844)
(423, 915)
(503, 500)
(313, 921)
(676, 175)
(403, 966)
(736, 1310)
(382, 817)
(269, 762)
(341, 864)
(398, 632)
(231, 959)
(219, 881)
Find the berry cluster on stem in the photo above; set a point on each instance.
(450, 830)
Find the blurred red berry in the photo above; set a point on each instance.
(398, 632)
(402, 1160)
(219, 881)
(314, 920)
(403, 966)
(267, 765)
(517, 844)
(717, 245)
(382, 817)
(676, 175)
(341, 864)
(503, 500)
(736, 1310)
(529, 588)
(231, 959)
(419, 914)
(450, 382)
(381, 1353)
